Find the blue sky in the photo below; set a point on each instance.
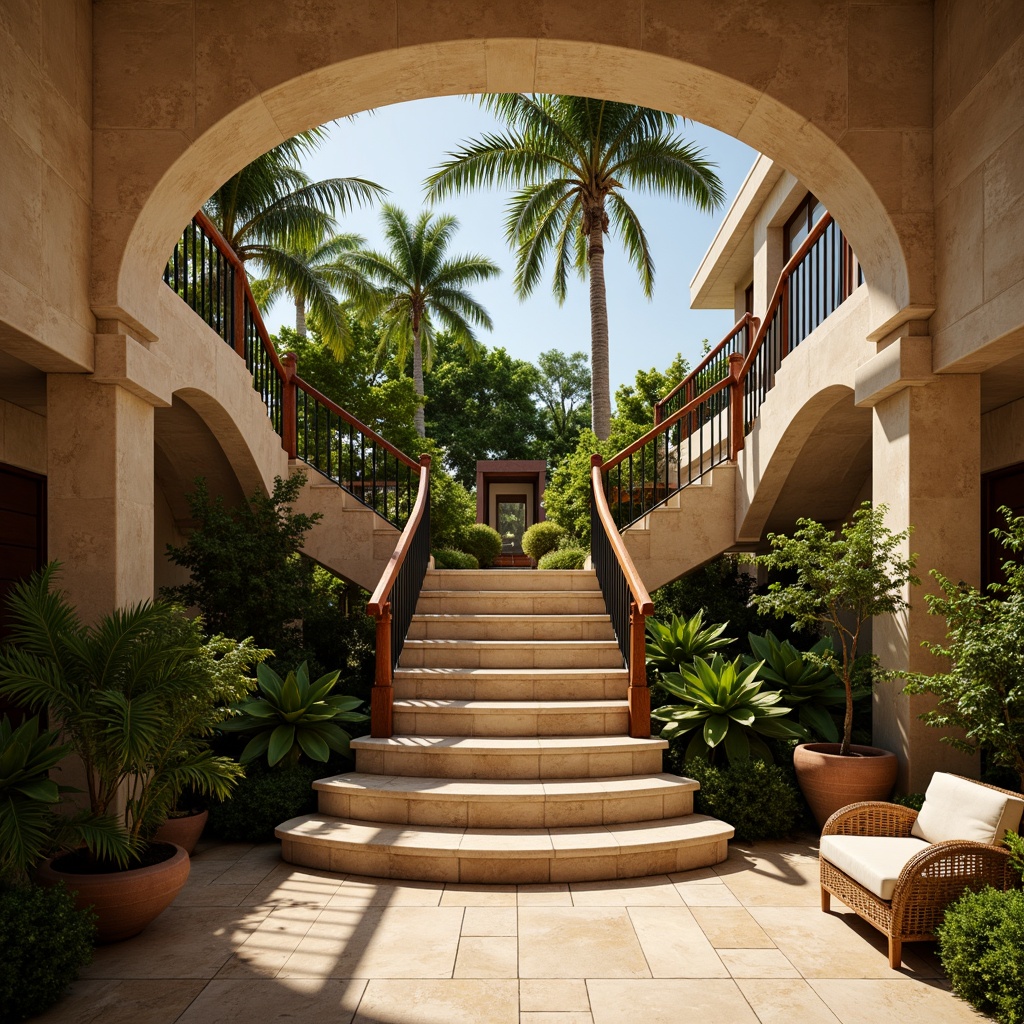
(398, 146)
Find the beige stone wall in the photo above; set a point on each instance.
(46, 189)
(1002, 437)
(22, 438)
(979, 183)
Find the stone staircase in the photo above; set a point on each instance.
(511, 759)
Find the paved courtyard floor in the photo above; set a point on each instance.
(252, 939)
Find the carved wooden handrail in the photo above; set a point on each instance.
(626, 599)
(393, 611)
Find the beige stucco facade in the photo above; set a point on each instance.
(119, 118)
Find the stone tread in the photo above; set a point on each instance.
(410, 787)
(493, 843)
(424, 705)
(510, 745)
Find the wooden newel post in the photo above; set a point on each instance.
(289, 424)
(639, 695)
(382, 695)
(735, 404)
(238, 320)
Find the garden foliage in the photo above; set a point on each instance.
(564, 558)
(541, 538)
(483, 542)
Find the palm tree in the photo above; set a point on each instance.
(571, 157)
(273, 214)
(413, 284)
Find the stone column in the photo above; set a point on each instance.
(100, 492)
(926, 467)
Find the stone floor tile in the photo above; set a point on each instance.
(298, 887)
(313, 1001)
(183, 942)
(674, 944)
(668, 1001)
(553, 995)
(785, 1001)
(252, 867)
(836, 945)
(772, 875)
(579, 942)
(487, 956)
(452, 1001)
(478, 895)
(547, 894)
(214, 849)
(557, 1017)
(757, 963)
(123, 1002)
(213, 896)
(696, 895)
(731, 928)
(267, 949)
(364, 891)
(698, 876)
(905, 1000)
(656, 891)
(489, 921)
(381, 942)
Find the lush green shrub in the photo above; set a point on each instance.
(981, 946)
(759, 800)
(265, 798)
(45, 940)
(483, 542)
(541, 538)
(567, 558)
(915, 801)
(446, 558)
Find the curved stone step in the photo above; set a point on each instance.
(486, 757)
(488, 626)
(511, 684)
(439, 717)
(511, 602)
(433, 853)
(511, 579)
(482, 803)
(510, 654)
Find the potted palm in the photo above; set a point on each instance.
(135, 695)
(836, 581)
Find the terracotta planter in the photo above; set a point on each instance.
(829, 781)
(183, 832)
(124, 901)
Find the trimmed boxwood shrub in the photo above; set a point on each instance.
(566, 558)
(265, 798)
(447, 559)
(981, 946)
(483, 542)
(541, 538)
(757, 799)
(45, 940)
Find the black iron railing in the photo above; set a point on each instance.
(204, 277)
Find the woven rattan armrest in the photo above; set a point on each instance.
(871, 818)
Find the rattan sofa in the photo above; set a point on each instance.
(924, 877)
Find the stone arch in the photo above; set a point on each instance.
(252, 89)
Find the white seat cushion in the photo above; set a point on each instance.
(873, 861)
(957, 808)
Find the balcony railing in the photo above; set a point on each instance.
(205, 272)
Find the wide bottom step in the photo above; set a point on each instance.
(437, 854)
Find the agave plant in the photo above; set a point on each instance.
(31, 827)
(293, 716)
(724, 706)
(671, 646)
(807, 681)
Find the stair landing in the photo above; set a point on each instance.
(511, 759)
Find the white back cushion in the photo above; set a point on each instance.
(957, 808)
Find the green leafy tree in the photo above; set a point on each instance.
(246, 574)
(982, 694)
(837, 582)
(274, 215)
(571, 159)
(563, 392)
(481, 409)
(414, 284)
(634, 403)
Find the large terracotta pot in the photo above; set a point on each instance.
(183, 832)
(830, 781)
(124, 901)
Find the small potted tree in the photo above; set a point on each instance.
(836, 581)
(133, 696)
